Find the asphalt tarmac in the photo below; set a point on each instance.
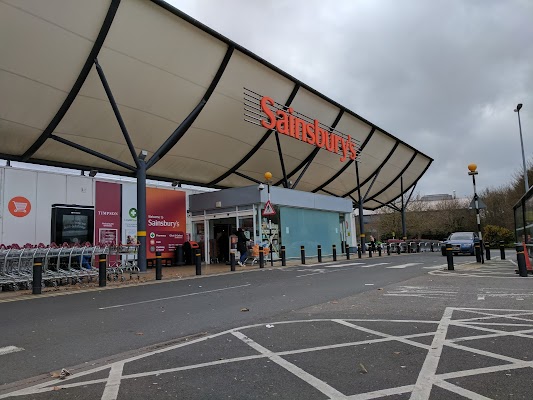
(398, 327)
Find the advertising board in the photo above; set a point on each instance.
(166, 220)
(107, 213)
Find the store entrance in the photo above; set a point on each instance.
(220, 230)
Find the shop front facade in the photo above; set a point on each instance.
(300, 219)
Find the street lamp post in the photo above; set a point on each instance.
(473, 171)
(517, 110)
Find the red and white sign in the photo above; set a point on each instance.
(19, 206)
(269, 209)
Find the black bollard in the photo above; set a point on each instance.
(521, 260)
(347, 251)
(370, 251)
(334, 253)
(179, 255)
(283, 257)
(379, 250)
(502, 250)
(158, 267)
(302, 254)
(359, 251)
(388, 249)
(319, 253)
(477, 251)
(398, 248)
(232, 261)
(449, 257)
(261, 257)
(487, 252)
(102, 270)
(431, 247)
(37, 275)
(418, 247)
(408, 247)
(198, 261)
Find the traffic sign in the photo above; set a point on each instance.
(479, 202)
(268, 210)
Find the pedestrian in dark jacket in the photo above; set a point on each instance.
(241, 246)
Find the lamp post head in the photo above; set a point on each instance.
(268, 176)
(518, 107)
(472, 169)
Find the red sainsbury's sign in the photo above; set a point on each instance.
(286, 123)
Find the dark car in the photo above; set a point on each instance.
(462, 243)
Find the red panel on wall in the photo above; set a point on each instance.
(107, 213)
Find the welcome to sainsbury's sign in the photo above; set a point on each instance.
(291, 124)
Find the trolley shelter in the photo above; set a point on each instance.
(138, 88)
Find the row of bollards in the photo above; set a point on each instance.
(102, 261)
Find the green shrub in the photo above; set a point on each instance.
(495, 234)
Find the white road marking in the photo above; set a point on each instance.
(381, 393)
(9, 349)
(483, 352)
(436, 266)
(422, 291)
(427, 375)
(300, 373)
(401, 266)
(375, 265)
(113, 382)
(385, 335)
(461, 391)
(174, 297)
(426, 378)
(323, 271)
(369, 284)
(481, 297)
(344, 265)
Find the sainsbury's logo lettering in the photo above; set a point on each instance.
(288, 124)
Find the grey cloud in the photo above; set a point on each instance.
(443, 75)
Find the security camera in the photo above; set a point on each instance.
(261, 186)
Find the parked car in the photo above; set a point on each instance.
(462, 243)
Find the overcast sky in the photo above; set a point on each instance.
(443, 76)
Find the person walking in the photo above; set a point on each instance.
(241, 246)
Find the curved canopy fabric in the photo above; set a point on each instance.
(178, 82)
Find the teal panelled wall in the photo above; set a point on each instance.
(309, 228)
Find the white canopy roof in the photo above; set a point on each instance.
(177, 81)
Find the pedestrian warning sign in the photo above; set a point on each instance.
(268, 210)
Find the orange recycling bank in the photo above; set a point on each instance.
(288, 124)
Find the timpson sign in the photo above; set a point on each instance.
(288, 123)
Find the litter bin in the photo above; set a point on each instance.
(179, 256)
(194, 246)
(188, 255)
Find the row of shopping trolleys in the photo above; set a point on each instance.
(65, 264)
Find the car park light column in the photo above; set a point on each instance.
(517, 110)
(473, 171)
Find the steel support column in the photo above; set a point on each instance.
(141, 215)
(285, 181)
(404, 229)
(98, 43)
(360, 203)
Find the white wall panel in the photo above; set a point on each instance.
(80, 190)
(20, 229)
(51, 189)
